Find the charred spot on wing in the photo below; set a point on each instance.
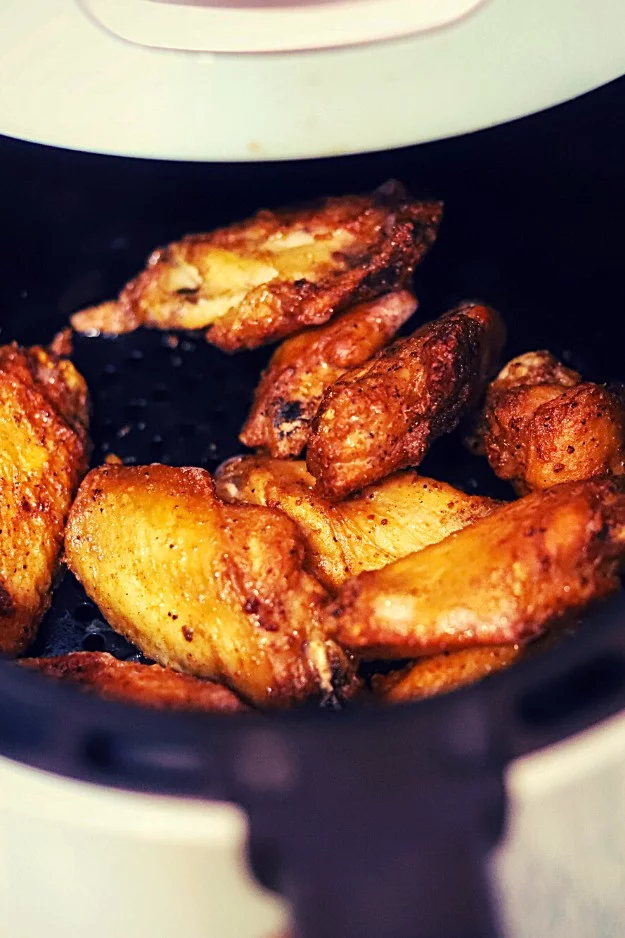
(254, 607)
(7, 606)
(287, 412)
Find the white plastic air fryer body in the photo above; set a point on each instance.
(117, 76)
(145, 78)
(77, 859)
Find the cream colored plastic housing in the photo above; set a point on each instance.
(67, 80)
(271, 25)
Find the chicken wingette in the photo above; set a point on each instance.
(278, 272)
(130, 681)
(384, 415)
(543, 425)
(395, 517)
(43, 456)
(291, 388)
(214, 590)
(506, 579)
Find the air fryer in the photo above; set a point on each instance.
(369, 822)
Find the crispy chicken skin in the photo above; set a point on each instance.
(384, 415)
(110, 318)
(450, 671)
(443, 673)
(542, 425)
(278, 272)
(505, 579)
(386, 521)
(43, 456)
(131, 682)
(301, 369)
(214, 590)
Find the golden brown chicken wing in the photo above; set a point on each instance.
(503, 580)
(278, 272)
(395, 517)
(384, 415)
(213, 590)
(43, 456)
(291, 388)
(446, 672)
(110, 318)
(129, 681)
(542, 425)
(450, 671)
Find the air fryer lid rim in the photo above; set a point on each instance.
(70, 83)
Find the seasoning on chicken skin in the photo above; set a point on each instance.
(505, 579)
(395, 517)
(214, 590)
(384, 415)
(542, 425)
(43, 456)
(132, 682)
(301, 369)
(279, 272)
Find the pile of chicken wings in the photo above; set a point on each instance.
(321, 567)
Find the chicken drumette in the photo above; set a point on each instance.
(543, 425)
(301, 369)
(384, 415)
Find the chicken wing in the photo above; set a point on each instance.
(129, 681)
(43, 456)
(402, 514)
(110, 318)
(384, 415)
(450, 671)
(503, 580)
(542, 425)
(214, 590)
(278, 272)
(446, 672)
(291, 388)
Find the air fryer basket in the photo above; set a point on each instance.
(371, 823)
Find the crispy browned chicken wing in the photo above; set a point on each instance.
(110, 318)
(43, 456)
(450, 671)
(542, 425)
(301, 369)
(503, 580)
(147, 684)
(384, 415)
(446, 672)
(278, 272)
(213, 590)
(395, 517)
